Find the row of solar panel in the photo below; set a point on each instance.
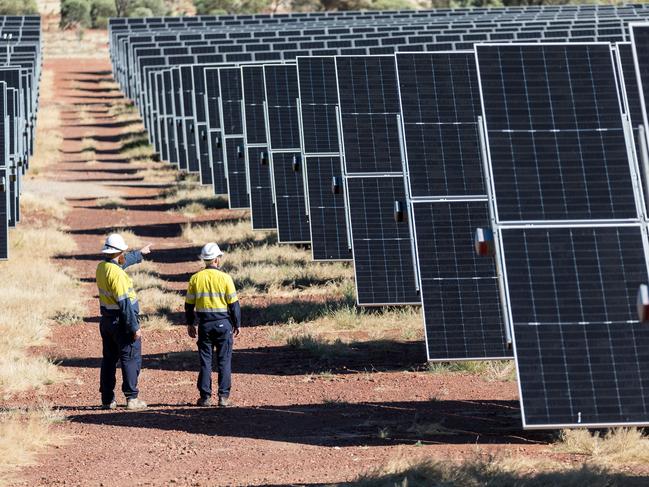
(378, 135)
(120, 57)
(20, 69)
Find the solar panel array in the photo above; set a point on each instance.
(482, 163)
(20, 69)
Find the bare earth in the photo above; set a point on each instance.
(292, 425)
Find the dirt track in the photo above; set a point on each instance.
(292, 425)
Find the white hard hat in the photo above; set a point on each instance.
(114, 244)
(210, 251)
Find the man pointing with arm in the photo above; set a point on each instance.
(212, 299)
(119, 323)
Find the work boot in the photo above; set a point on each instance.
(204, 402)
(224, 402)
(110, 405)
(135, 404)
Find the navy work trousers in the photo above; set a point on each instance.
(217, 335)
(118, 345)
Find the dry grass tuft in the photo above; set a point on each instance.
(88, 146)
(32, 292)
(49, 140)
(491, 370)
(154, 301)
(225, 233)
(192, 199)
(490, 471)
(156, 323)
(115, 203)
(23, 433)
(53, 207)
(144, 279)
(617, 447)
(158, 173)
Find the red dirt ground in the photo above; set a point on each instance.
(291, 424)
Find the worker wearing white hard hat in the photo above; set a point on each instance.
(212, 301)
(119, 323)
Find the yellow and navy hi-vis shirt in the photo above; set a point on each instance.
(116, 294)
(212, 295)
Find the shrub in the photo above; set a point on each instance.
(141, 12)
(75, 13)
(100, 11)
(217, 7)
(18, 7)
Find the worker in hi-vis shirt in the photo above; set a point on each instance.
(212, 298)
(119, 326)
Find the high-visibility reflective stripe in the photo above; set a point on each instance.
(109, 306)
(105, 293)
(212, 310)
(231, 296)
(190, 296)
(210, 295)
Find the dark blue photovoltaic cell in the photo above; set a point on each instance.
(459, 289)
(640, 41)
(177, 125)
(292, 220)
(580, 348)
(212, 98)
(552, 87)
(559, 164)
(440, 101)
(327, 214)
(383, 260)
(571, 289)
(281, 99)
(369, 105)
(254, 96)
(4, 227)
(262, 208)
(236, 165)
(202, 137)
(219, 179)
(318, 101)
(231, 96)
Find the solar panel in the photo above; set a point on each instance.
(215, 138)
(631, 97)
(232, 126)
(381, 245)
(200, 119)
(287, 166)
(186, 115)
(176, 125)
(12, 172)
(369, 113)
(571, 239)
(440, 103)
(262, 206)
(640, 41)
(321, 149)
(4, 179)
(369, 105)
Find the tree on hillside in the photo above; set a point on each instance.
(140, 8)
(18, 7)
(218, 7)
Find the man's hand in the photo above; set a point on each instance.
(137, 335)
(191, 331)
(236, 332)
(146, 249)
